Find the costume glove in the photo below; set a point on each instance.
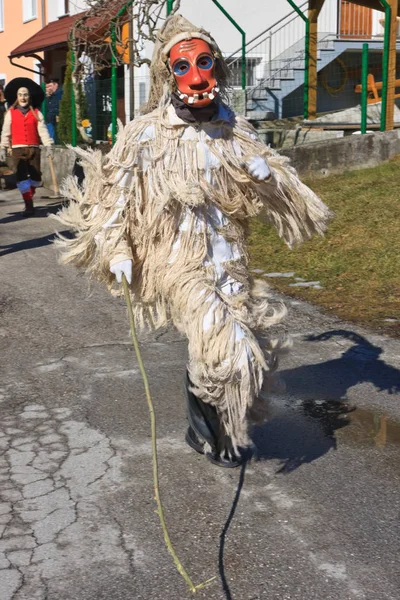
(50, 151)
(258, 168)
(3, 155)
(122, 268)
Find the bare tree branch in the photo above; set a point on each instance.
(91, 38)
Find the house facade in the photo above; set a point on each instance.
(19, 20)
(275, 49)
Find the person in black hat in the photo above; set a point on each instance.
(24, 128)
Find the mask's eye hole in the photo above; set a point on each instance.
(181, 67)
(205, 62)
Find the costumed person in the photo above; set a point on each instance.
(168, 208)
(24, 128)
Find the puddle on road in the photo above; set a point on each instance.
(369, 428)
(316, 421)
(358, 426)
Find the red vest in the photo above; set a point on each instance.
(24, 129)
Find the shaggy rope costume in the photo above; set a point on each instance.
(175, 198)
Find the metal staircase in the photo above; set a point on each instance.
(275, 63)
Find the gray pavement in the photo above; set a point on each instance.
(315, 516)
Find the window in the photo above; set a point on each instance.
(63, 7)
(236, 71)
(1, 15)
(29, 10)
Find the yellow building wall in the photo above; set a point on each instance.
(14, 33)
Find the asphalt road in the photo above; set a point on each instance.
(314, 516)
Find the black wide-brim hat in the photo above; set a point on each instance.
(35, 91)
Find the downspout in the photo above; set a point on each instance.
(43, 4)
(243, 33)
(307, 54)
(114, 72)
(385, 62)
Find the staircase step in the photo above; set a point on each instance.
(260, 115)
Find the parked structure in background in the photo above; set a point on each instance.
(276, 58)
(279, 80)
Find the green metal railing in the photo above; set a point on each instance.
(73, 105)
(243, 34)
(364, 88)
(306, 54)
(385, 61)
(170, 4)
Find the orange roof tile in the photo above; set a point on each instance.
(53, 35)
(56, 33)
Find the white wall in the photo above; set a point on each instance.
(252, 15)
(55, 8)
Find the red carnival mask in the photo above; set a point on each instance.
(192, 63)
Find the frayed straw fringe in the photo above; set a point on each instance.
(172, 284)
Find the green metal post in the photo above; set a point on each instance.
(44, 103)
(73, 107)
(364, 86)
(170, 5)
(385, 61)
(113, 85)
(243, 33)
(306, 54)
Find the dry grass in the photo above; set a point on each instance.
(358, 261)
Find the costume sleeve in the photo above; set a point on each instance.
(43, 131)
(6, 130)
(109, 240)
(287, 203)
(103, 210)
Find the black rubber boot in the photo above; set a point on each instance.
(205, 427)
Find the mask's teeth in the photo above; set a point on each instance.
(211, 96)
(190, 100)
(205, 95)
(181, 96)
(216, 90)
(196, 97)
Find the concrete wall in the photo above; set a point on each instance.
(320, 159)
(347, 154)
(63, 163)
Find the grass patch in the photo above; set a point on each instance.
(358, 261)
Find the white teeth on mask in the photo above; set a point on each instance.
(190, 100)
(196, 97)
(181, 96)
(205, 95)
(216, 89)
(211, 96)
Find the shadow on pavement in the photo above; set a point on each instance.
(30, 244)
(303, 421)
(40, 212)
(222, 537)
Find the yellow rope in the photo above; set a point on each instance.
(332, 91)
(193, 588)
